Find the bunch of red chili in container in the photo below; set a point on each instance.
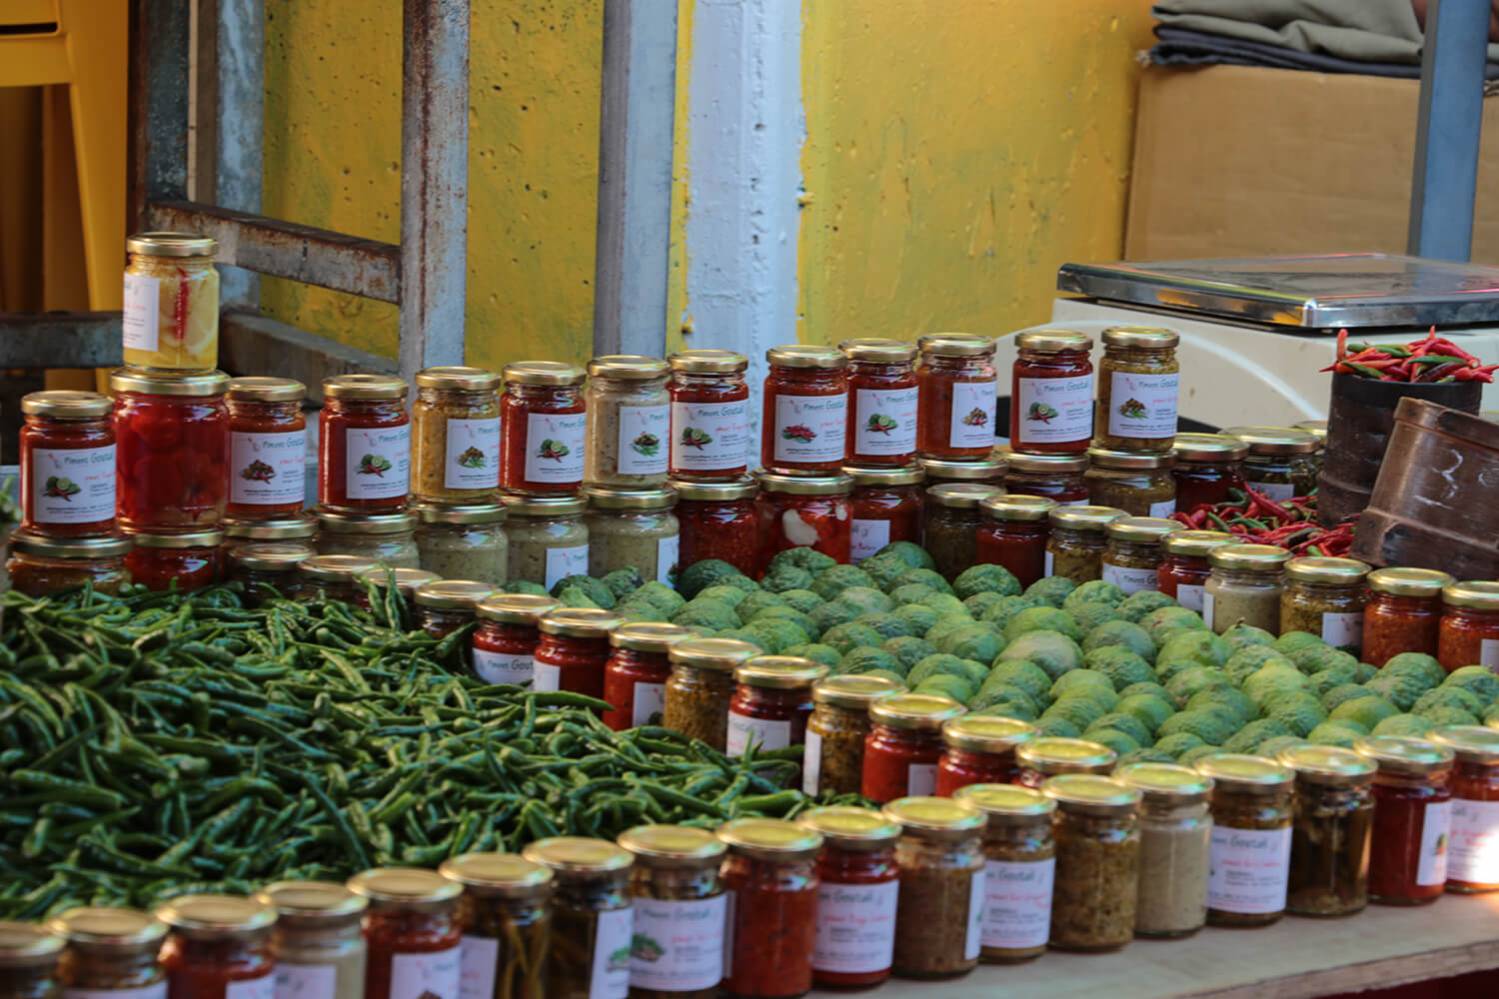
(1260, 520)
(1434, 359)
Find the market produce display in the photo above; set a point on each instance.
(1433, 359)
(1258, 519)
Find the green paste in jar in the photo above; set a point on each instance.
(464, 542)
(548, 538)
(633, 528)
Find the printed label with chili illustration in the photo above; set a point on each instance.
(73, 486)
(268, 468)
(554, 447)
(885, 421)
(377, 461)
(810, 427)
(1055, 410)
(677, 946)
(708, 437)
(855, 927)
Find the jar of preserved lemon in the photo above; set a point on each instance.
(171, 316)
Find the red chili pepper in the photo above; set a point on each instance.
(1342, 343)
(1267, 504)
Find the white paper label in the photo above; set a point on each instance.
(728, 933)
(73, 487)
(811, 427)
(744, 731)
(1050, 563)
(1248, 869)
(1436, 826)
(667, 552)
(1190, 596)
(140, 321)
(157, 991)
(554, 447)
(1143, 405)
(1130, 580)
(268, 468)
(377, 461)
(306, 981)
(1017, 903)
(1165, 508)
(812, 763)
(1207, 607)
(1054, 410)
(972, 423)
(1488, 653)
(433, 975)
(885, 421)
(1344, 631)
(562, 562)
(503, 667)
(545, 676)
(473, 454)
(709, 437)
(1475, 842)
(921, 778)
(976, 891)
(855, 927)
(1274, 490)
(642, 443)
(867, 537)
(677, 946)
(263, 987)
(611, 955)
(480, 962)
(648, 703)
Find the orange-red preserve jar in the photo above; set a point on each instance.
(1469, 632)
(364, 453)
(1403, 613)
(171, 450)
(710, 414)
(806, 409)
(67, 464)
(543, 427)
(886, 507)
(1051, 392)
(882, 399)
(957, 385)
(267, 448)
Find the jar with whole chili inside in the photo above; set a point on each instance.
(710, 414)
(1175, 837)
(957, 396)
(904, 745)
(1403, 613)
(411, 931)
(1132, 556)
(701, 686)
(882, 402)
(592, 920)
(771, 934)
(1250, 864)
(548, 538)
(1051, 392)
(267, 448)
(717, 519)
(543, 427)
(1244, 587)
(635, 675)
(1050, 756)
(406, 581)
(573, 649)
(67, 464)
(171, 450)
(633, 528)
(1138, 381)
(185, 562)
(29, 961)
(300, 530)
(805, 410)
(463, 542)
(952, 519)
(364, 444)
(1077, 539)
(1412, 819)
(171, 305)
(772, 702)
(41, 567)
(266, 565)
(506, 916)
(1325, 597)
(805, 511)
(1096, 828)
(318, 941)
(990, 469)
(1329, 831)
(332, 577)
(218, 946)
(858, 886)
(1207, 467)
(1281, 463)
(1138, 484)
(834, 760)
(940, 908)
(455, 442)
(1058, 477)
(1184, 568)
(886, 507)
(110, 952)
(629, 422)
(1469, 631)
(980, 749)
(1473, 856)
(1019, 870)
(504, 644)
(388, 538)
(445, 605)
(680, 909)
(1013, 534)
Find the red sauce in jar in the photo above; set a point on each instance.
(710, 415)
(1412, 818)
(1207, 467)
(1051, 392)
(957, 397)
(1013, 535)
(1473, 860)
(186, 561)
(267, 448)
(772, 931)
(364, 456)
(904, 744)
(67, 464)
(171, 449)
(573, 649)
(635, 675)
(980, 749)
(856, 900)
(39, 566)
(543, 423)
(1184, 569)
(882, 402)
(1469, 632)
(885, 506)
(806, 410)
(412, 933)
(1058, 477)
(215, 941)
(504, 644)
(1403, 613)
(772, 702)
(805, 512)
(718, 520)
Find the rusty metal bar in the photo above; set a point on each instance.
(163, 35)
(239, 126)
(60, 340)
(249, 341)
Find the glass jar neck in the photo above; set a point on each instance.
(880, 369)
(1079, 539)
(839, 715)
(1139, 355)
(1168, 809)
(289, 411)
(676, 882)
(654, 662)
(601, 385)
(292, 935)
(1437, 780)
(705, 675)
(382, 408)
(1145, 550)
(1059, 358)
(913, 737)
(1018, 528)
(725, 379)
(947, 364)
(915, 850)
(94, 967)
(781, 696)
(1414, 605)
(1474, 614)
(186, 265)
(68, 426)
(577, 645)
(820, 377)
(593, 891)
(1249, 577)
(561, 394)
(467, 398)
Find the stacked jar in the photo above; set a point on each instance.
(1133, 457)
(882, 406)
(709, 427)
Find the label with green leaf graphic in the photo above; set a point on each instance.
(811, 427)
(1143, 405)
(709, 436)
(378, 461)
(642, 442)
(268, 469)
(610, 978)
(554, 447)
(472, 454)
(72, 486)
(884, 421)
(1054, 410)
(677, 946)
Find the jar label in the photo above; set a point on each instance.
(1165, 508)
(1130, 580)
(885, 421)
(1436, 826)
(263, 987)
(668, 550)
(855, 927)
(677, 946)
(972, 423)
(1143, 405)
(503, 667)
(545, 676)
(867, 537)
(1248, 869)
(479, 963)
(141, 320)
(1475, 842)
(811, 427)
(1488, 653)
(766, 733)
(1344, 631)
(73, 486)
(1017, 903)
(306, 981)
(268, 468)
(434, 975)
(1207, 606)
(473, 454)
(921, 779)
(708, 437)
(730, 902)
(977, 887)
(642, 439)
(377, 461)
(812, 763)
(563, 562)
(1192, 597)
(648, 703)
(1274, 490)
(611, 955)
(554, 447)
(157, 991)
(1055, 410)
(1050, 563)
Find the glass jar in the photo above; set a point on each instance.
(592, 920)
(939, 470)
(1473, 860)
(1244, 587)
(806, 410)
(28, 961)
(455, 443)
(1469, 631)
(886, 507)
(1019, 870)
(300, 530)
(701, 686)
(67, 464)
(953, 515)
(171, 450)
(1207, 467)
(771, 934)
(1051, 392)
(1138, 380)
(633, 528)
(445, 605)
(267, 448)
(463, 542)
(858, 887)
(1076, 541)
(171, 319)
(1403, 613)
(1184, 569)
(1250, 867)
(980, 749)
(1326, 596)
(904, 745)
(504, 645)
(317, 943)
(1329, 831)
(629, 422)
(680, 908)
(543, 428)
(184, 562)
(411, 931)
(710, 414)
(1281, 463)
(772, 702)
(1051, 756)
(1132, 555)
(1412, 819)
(109, 953)
(573, 649)
(882, 403)
(1058, 477)
(635, 675)
(805, 511)
(834, 760)
(1098, 852)
(364, 444)
(388, 538)
(41, 567)
(940, 908)
(332, 577)
(1175, 837)
(266, 565)
(506, 916)
(1138, 484)
(217, 946)
(717, 519)
(406, 581)
(548, 538)
(1013, 534)
(957, 396)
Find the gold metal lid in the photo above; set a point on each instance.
(1469, 743)
(1208, 448)
(1327, 765)
(215, 917)
(1146, 337)
(935, 818)
(630, 499)
(1051, 754)
(918, 712)
(1401, 755)
(987, 733)
(459, 377)
(806, 355)
(579, 622)
(1091, 794)
(406, 580)
(723, 654)
(1251, 558)
(405, 888)
(961, 495)
(99, 926)
(111, 546)
(364, 387)
(805, 485)
(875, 350)
(708, 361)
(990, 469)
(1129, 460)
(1053, 341)
(1198, 544)
(62, 404)
(27, 945)
(335, 568)
(562, 505)
(333, 522)
(1094, 519)
(1242, 773)
(854, 690)
(773, 838)
(1409, 582)
(628, 367)
(715, 491)
(577, 855)
(1336, 571)
(850, 828)
(1000, 802)
(1479, 595)
(1018, 508)
(543, 373)
(648, 636)
(1317, 428)
(506, 875)
(312, 902)
(1046, 464)
(865, 478)
(286, 529)
(188, 539)
(452, 594)
(672, 846)
(515, 608)
(780, 672)
(956, 344)
(262, 388)
(1146, 529)
(468, 513)
(171, 244)
(202, 385)
(1275, 440)
(1165, 781)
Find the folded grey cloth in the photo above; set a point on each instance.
(1177, 47)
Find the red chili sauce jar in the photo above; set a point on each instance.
(1207, 467)
(504, 644)
(1184, 568)
(218, 946)
(885, 506)
(67, 464)
(904, 744)
(1412, 819)
(806, 409)
(771, 868)
(1403, 613)
(710, 414)
(772, 702)
(1051, 392)
(411, 932)
(1051, 756)
(1473, 853)
(980, 749)
(1469, 632)
(859, 884)
(1013, 534)
(717, 519)
(39, 566)
(543, 427)
(635, 675)
(267, 448)
(364, 453)
(882, 399)
(187, 562)
(806, 511)
(573, 649)
(1058, 477)
(171, 450)
(266, 571)
(957, 393)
